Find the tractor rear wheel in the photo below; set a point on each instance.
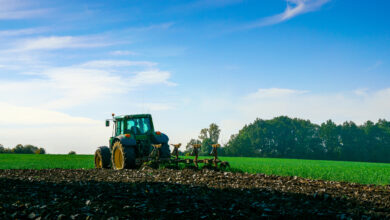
(122, 157)
(103, 157)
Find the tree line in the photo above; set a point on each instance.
(285, 137)
(20, 149)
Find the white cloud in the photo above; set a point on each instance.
(12, 9)
(59, 42)
(55, 131)
(20, 32)
(274, 93)
(26, 116)
(361, 92)
(116, 63)
(64, 87)
(123, 53)
(293, 9)
(21, 14)
(321, 107)
(150, 77)
(79, 85)
(84, 139)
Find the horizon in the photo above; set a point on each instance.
(65, 66)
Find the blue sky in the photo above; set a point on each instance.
(66, 65)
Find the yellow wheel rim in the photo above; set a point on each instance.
(98, 161)
(118, 158)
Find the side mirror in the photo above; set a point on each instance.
(107, 123)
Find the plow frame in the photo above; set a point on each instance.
(154, 157)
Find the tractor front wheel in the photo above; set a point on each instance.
(103, 157)
(122, 157)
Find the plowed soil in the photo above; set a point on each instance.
(168, 193)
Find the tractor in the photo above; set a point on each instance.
(133, 142)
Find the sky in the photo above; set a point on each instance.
(65, 66)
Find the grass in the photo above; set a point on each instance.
(45, 161)
(358, 172)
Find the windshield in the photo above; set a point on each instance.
(138, 125)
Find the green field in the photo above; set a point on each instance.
(359, 172)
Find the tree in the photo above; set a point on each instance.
(208, 137)
(27, 149)
(331, 139)
(214, 133)
(296, 138)
(352, 139)
(72, 153)
(40, 151)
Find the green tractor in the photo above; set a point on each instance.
(133, 142)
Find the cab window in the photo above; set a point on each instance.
(138, 125)
(119, 127)
(144, 125)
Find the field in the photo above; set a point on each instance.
(357, 172)
(67, 187)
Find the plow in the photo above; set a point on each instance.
(135, 143)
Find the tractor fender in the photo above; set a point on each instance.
(160, 139)
(127, 142)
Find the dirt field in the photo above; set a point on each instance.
(148, 193)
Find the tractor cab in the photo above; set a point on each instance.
(136, 125)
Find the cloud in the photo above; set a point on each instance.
(358, 106)
(64, 87)
(11, 9)
(79, 85)
(21, 32)
(84, 139)
(55, 131)
(27, 116)
(21, 14)
(116, 63)
(361, 92)
(274, 93)
(59, 42)
(293, 9)
(123, 53)
(150, 77)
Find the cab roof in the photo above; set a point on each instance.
(133, 116)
